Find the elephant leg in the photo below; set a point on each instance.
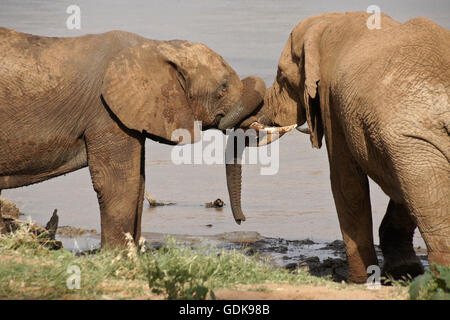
(396, 240)
(434, 225)
(426, 190)
(116, 163)
(350, 188)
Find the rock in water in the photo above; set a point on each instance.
(218, 203)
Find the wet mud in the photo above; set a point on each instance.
(319, 258)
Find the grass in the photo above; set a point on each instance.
(29, 270)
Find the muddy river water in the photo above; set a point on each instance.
(296, 203)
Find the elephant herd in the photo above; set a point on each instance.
(379, 99)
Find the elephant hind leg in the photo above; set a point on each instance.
(396, 240)
(433, 220)
(425, 185)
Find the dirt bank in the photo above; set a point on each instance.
(289, 292)
(276, 292)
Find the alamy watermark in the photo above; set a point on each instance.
(73, 282)
(373, 281)
(374, 21)
(74, 20)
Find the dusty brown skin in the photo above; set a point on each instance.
(68, 103)
(381, 99)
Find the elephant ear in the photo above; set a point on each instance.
(309, 49)
(145, 89)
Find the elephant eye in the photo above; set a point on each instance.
(222, 90)
(280, 74)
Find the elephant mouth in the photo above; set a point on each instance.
(215, 123)
(217, 119)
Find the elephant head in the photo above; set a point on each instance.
(294, 97)
(292, 101)
(158, 87)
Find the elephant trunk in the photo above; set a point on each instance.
(252, 96)
(233, 167)
(253, 92)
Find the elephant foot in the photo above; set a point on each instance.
(401, 269)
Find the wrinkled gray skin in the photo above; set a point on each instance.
(381, 100)
(68, 103)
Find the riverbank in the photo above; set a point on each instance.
(30, 270)
(57, 263)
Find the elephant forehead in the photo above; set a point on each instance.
(195, 57)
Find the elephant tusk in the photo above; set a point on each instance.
(304, 128)
(270, 134)
(280, 130)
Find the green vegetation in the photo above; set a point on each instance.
(29, 270)
(430, 285)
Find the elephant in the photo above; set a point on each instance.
(380, 98)
(91, 101)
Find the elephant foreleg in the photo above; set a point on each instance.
(116, 163)
(350, 188)
(396, 241)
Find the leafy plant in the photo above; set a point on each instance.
(177, 283)
(179, 273)
(431, 285)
